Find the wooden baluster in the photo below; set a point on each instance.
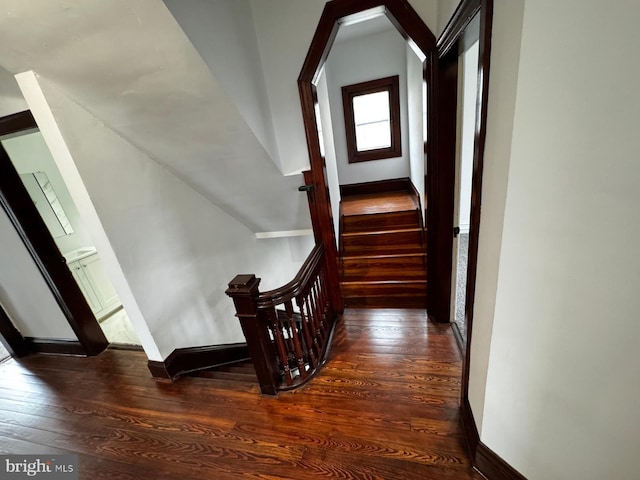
(280, 344)
(243, 289)
(323, 283)
(306, 332)
(296, 340)
(323, 296)
(317, 313)
(285, 332)
(314, 326)
(320, 307)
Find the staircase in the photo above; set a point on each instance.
(382, 247)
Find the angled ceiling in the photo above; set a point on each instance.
(130, 65)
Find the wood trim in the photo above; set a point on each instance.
(412, 28)
(17, 122)
(379, 186)
(185, 360)
(125, 346)
(461, 18)
(485, 460)
(35, 235)
(492, 466)
(470, 429)
(349, 92)
(158, 370)
(55, 346)
(484, 56)
(13, 339)
(440, 186)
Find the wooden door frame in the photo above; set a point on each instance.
(453, 37)
(16, 202)
(441, 73)
(413, 29)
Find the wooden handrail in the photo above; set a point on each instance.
(278, 296)
(288, 346)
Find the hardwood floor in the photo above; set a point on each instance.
(384, 407)
(372, 203)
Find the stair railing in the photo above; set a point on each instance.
(288, 330)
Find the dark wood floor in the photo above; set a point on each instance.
(385, 407)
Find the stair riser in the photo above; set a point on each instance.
(381, 221)
(363, 289)
(383, 243)
(384, 268)
(386, 302)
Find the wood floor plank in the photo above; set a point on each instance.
(386, 407)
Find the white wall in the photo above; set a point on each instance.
(168, 250)
(563, 382)
(223, 33)
(469, 64)
(359, 60)
(11, 100)
(284, 29)
(505, 51)
(24, 294)
(445, 9)
(29, 153)
(416, 123)
(333, 182)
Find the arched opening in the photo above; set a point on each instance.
(423, 43)
(470, 22)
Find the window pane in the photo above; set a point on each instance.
(371, 117)
(373, 135)
(373, 107)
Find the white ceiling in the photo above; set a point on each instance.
(360, 29)
(130, 65)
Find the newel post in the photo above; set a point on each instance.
(243, 289)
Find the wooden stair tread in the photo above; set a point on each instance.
(377, 203)
(378, 222)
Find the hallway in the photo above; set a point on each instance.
(385, 407)
(382, 251)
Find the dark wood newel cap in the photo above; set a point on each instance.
(242, 284)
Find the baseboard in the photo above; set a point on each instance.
(15, 344)
(379, 186)
(125, 346)
(493, 467)
(55, 346)
(185, 360)
(470, 429)
(485, 460)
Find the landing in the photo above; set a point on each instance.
(383, 202)
(384, 407)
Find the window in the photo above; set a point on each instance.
(372, 119)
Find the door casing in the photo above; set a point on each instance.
(16, 202)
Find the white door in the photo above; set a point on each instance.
(100, 282)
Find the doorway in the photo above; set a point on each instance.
(26, 158)
(422, 42)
